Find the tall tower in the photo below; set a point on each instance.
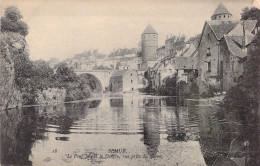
(149, 45)
(221, 13)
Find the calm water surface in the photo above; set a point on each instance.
(129, 129)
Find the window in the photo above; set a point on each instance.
(131, 81)
(219, 17)
(209, 66)
(224, 16)
(208, 51)
(215, 17)
(131, 74)
(132, 88)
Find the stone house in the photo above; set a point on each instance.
(209, 48)
(234, 52)
(142, 83)
(123, 81)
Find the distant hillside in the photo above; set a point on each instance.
(88, 54)
(122, 52)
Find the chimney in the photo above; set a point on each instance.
(244, 36)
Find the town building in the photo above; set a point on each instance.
(133, 63)
(123, 81)
(210, 48)
(234, 51)
(184, 66)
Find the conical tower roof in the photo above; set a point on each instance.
(149, 30)
(221, 9)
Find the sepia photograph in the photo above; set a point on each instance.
(130, 83)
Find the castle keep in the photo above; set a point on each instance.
(149, 46)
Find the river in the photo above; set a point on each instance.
(125, 129)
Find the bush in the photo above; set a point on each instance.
(212, 90)
(240, 96)
(194, 88)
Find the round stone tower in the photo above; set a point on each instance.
(221, 13)
(149, 45)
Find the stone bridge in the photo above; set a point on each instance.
(101, 77)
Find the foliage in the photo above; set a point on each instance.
(13, 13)
(77, 90)
(30, 77)
(194, 88)
(169, 86)
(11, 22)
(44, 73)
(251, 14)
(64, 75)
(240, 96)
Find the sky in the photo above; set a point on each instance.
(62, 28)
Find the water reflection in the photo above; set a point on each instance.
(19, 130)
(175, 131)
(151, 125)
(151, 129)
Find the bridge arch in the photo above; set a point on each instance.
(102, 76)
(93, 82)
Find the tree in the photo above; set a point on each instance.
(251, 14)
(44, 73)
(13, 13)
(12, 22)
(64, 74)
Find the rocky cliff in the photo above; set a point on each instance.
(11, 43)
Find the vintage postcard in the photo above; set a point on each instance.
(130, 83)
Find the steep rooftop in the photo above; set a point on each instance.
(149, 30)
(221, 9)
